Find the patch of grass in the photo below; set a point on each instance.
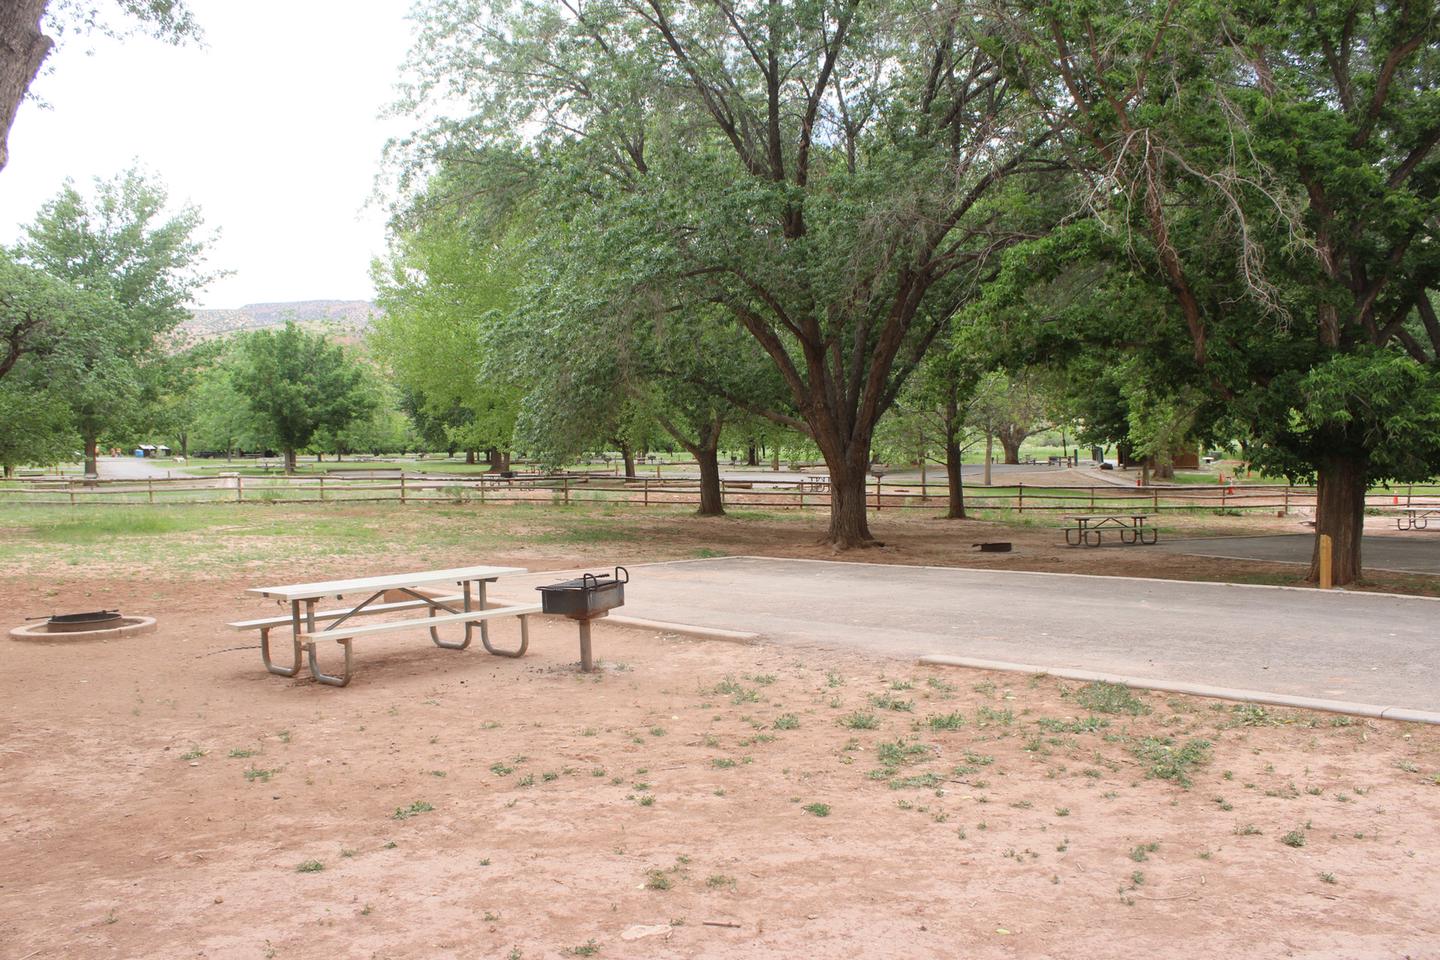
(194, 753)
(405, 813)
(860, 720)
(989, 716)
(923, 781)
(786, 721)
(501, 769)
(1247, 830)
(718, 880)
(657, 880)
(1295, 838)
(1103, 697)
(243, 753)
(737, 692)
(1141, 852)
(946, 721)
(817, 809)
(884, 701)
(1087, 725)
(896, 752)
(587, 949)
(1165, 761)
(310, 866)
(255, 773)
(722, 763)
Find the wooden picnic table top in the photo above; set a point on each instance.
(1120, 514)
(333, 588)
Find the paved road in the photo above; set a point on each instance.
(1364, 648)
(129, 468)
(1416, 551)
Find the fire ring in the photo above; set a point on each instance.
(117, 629)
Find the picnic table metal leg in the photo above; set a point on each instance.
(1088, 534)
(451, 644)
(1154, 537)
(325, 678)
(270, 665)
(1419, 523)
(1128, 535)
(524, 640)
(1078, 540)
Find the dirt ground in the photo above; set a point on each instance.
(163, 796)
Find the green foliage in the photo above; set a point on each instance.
(138, 268)
(297, 383)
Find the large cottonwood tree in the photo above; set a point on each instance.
(828, 174)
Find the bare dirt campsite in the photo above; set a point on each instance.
(164, 796)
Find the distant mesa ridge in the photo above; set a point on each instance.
(349, 316)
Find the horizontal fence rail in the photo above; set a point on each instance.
(783, 492)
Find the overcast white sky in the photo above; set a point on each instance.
(272, 129)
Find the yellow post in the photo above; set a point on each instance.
(1327, 562)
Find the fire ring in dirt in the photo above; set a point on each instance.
(99, 625)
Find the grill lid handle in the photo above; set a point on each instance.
(620, 570)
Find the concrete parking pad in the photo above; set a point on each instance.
(1366, 648)
(1416, 551)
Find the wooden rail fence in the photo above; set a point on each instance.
(788, 492)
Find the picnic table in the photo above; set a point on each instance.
(1089, 528)
(395, 592)
(1413, 517)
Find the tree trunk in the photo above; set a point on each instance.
(22, 49)
(752, 458)
(1340, 512)
(92, 466)
(9, 470)
(1011, 447)
(953, 467)
(849, 523)
(289, 460)
(499, 460)
(629, 454)
(712, 499)
(989, 454)
(775, 458)
(469, 456)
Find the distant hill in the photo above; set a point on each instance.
(349, 318)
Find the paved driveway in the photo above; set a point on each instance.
(1357, 647)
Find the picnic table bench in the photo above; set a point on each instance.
(1413, 517)
(440, 608)
(1089, 528)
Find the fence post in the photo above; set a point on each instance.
(1287, 499)
(239, 488)
(150, 489)
(565, 484)
(402, 486)
(70, 485)
(1327, 562)
(1092, 499)
(1155, 499)
(1409, 492)
(1020, 498)
(645, 486)
(322, 486)
(877, 494)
